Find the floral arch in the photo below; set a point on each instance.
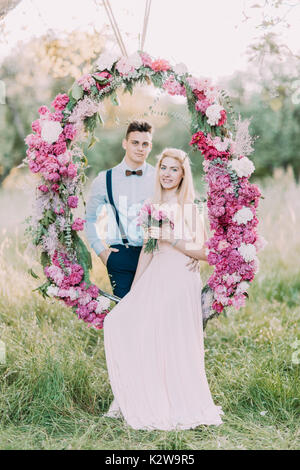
(55, 155)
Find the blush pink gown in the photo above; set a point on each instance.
(154, 349)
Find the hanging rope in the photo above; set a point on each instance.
(116, 30)
(114, 26)
(145, 25)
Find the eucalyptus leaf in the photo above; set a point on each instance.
(32, 273)
(77, 91)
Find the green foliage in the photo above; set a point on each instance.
(90, 123)
(54, 386)
(49, 218)
(45, 259)
(77, 91)
(83, 255)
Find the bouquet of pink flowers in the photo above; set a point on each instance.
(153, 215)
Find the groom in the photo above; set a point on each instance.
(123, 189)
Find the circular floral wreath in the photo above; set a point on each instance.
(54, 153)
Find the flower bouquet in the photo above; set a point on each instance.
(153, 215)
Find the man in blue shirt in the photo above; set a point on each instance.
(126, 186)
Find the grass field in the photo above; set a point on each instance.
(54, 384)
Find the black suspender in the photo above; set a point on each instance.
(111, 200)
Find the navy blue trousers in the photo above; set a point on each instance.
(121, 267)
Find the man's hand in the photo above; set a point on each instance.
(193, 265)
(105, 254)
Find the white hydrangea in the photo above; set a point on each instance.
(106, 60)
(243, 215)
(242, 287)
(52, 291)
(242, 166)
(51, 130)
(247, 251)
(103, 304)
(213, 114)
(180, 69)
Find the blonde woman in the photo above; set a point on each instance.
(154, 336)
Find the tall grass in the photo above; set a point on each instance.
(54, 383)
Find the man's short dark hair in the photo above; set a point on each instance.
(138, 126)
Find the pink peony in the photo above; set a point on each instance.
(60, 102)
(160, 65)
(78, 224)
(86, 81)
(69, 131)
(43, 188)
(173, 87)
(72, 201)
(106, 75)
(93, 291)
(55, 187)
(72, 170)
(146, 59)
(43, 110)
(202, 105)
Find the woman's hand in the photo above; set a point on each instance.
(164, 233)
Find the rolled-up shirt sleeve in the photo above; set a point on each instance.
(97, 199)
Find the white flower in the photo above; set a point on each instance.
(243, 215)
(51, 130)
(247, 251)
(52, 290)
(213, 114)
(84, 298)
(233, 277)
(220, 145)
(212, 94)
(135, 60)
(106, 61)
(180, 69)
(263, 413)
(103, 304)
(242, 166)
(242, 287)
(72, 293)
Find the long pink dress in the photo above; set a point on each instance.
(154, 349)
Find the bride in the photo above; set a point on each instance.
(153, 337)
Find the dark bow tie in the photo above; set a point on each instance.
(134, 172)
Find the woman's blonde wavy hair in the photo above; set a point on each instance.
(185, 191)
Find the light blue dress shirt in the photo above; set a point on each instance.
(129, 194)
